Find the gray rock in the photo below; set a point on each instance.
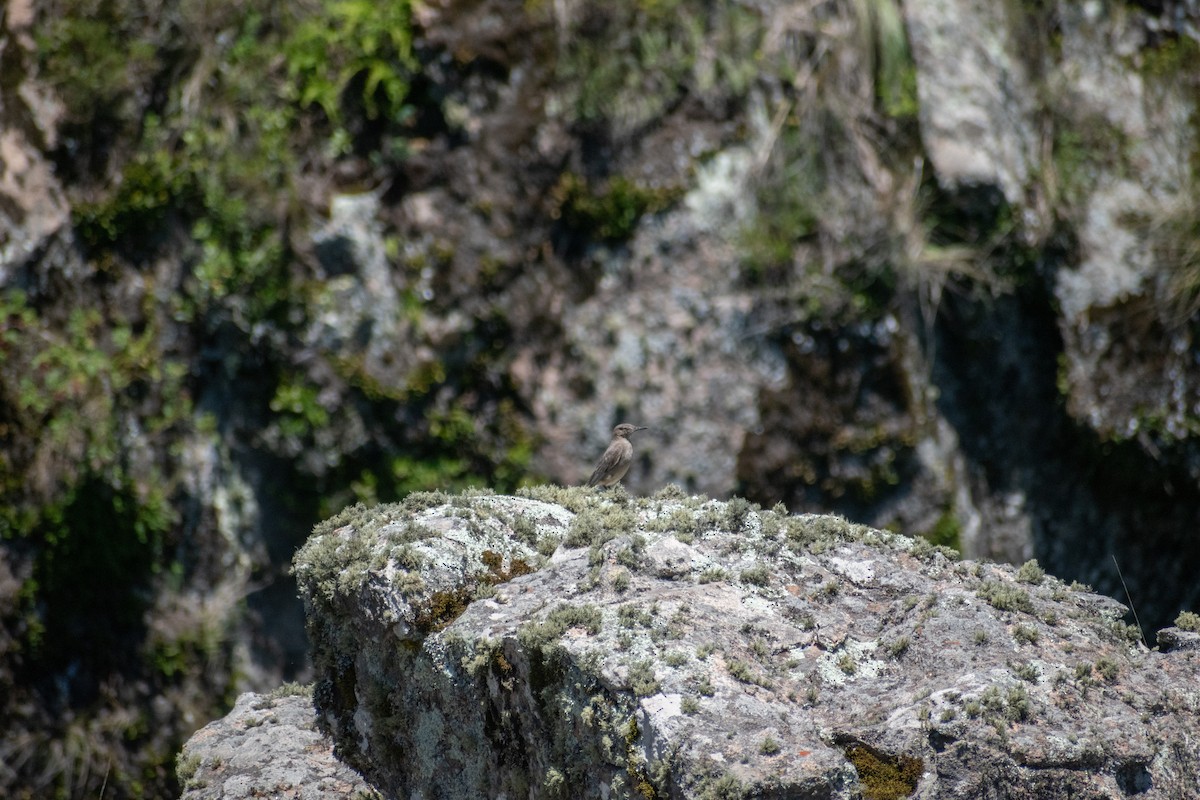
(267, 746)
(977, 99)
(678, 647)
(34, 212)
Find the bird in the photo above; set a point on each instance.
(616, 459)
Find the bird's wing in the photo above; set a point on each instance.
(607, 461)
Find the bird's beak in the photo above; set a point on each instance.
(640, 428)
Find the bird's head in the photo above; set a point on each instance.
(624, 429)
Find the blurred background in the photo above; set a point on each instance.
(933, 265)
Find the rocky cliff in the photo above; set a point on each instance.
(929, 265)
(575, 644)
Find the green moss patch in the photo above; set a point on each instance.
(883, 776)
(443, 608)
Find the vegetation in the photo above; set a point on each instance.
(1188, 621)
(884, 776)
(1031, 572)
(1005, 596)
(610, 213)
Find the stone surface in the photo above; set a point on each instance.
(267, 746)
(977, 104)
(1128, 370)
(679, 647)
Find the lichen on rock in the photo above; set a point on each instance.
(710, 649)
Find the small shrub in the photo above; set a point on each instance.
(1188, 621)
(736, 511)
(1005, 597)
(1031, 572)
(620, 581)
(1017, 705)
(1108, 669)
(642, 679)
(1022, 634)
(586, 529)
(758, 575)
(1026, 672)
(675, 658)
(898, 647)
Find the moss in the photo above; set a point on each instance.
(788, 209)
(498, 574)
(609, 212)
(442, 608)
(884, 776)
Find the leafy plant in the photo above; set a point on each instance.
(353, 45)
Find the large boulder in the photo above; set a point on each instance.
(267, 746)
(576, 644)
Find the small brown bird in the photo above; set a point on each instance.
(616, 459)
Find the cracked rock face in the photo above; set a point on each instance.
(578, 644)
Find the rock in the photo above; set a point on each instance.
(1124, 305)
(1176, 639)
(267, 746)
(977, 100)
(679, 647)
(34, 213)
